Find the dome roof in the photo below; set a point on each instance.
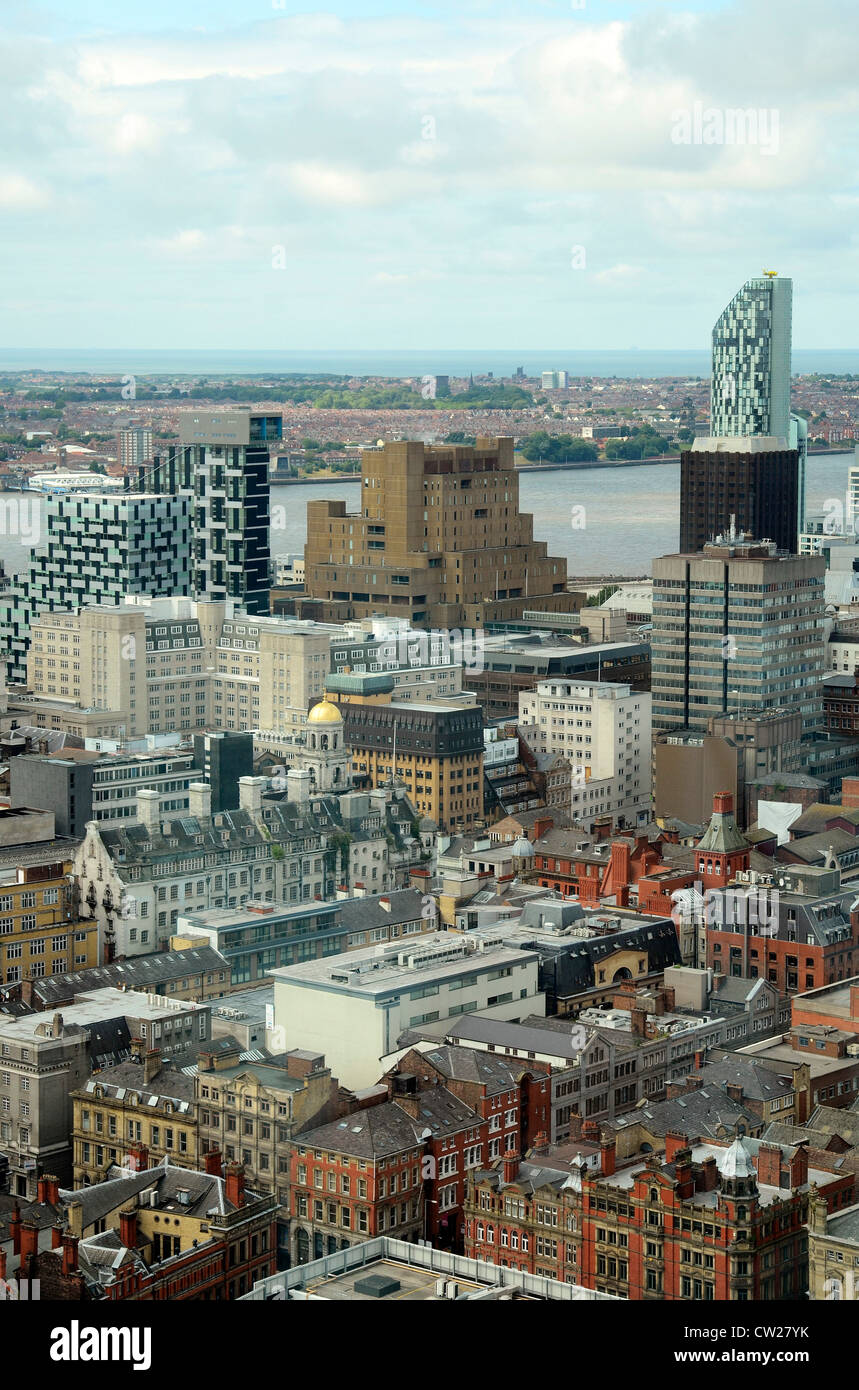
(325, 713)
(522, 847)
(736, 1162)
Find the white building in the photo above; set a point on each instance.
(355, 1009)
(603, 730)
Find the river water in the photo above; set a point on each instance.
(603, 521)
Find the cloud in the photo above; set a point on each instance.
(473, 152)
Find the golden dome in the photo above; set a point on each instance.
(325, 713)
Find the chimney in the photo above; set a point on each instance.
(854, 1001)
(200, 800)
(250, 794)
(769, 1165)
(708, 1175)
(213, 1162)
(151, 1065)
(590, 1131)
(70, 1254)
(15, 1229)
(52, 1190)
(56, 1237)
(723, 804)
(29, 1240)
(510, 1166)
(541, 1142)
(675, 1141)
(234, 1175)
(608, 1153)
(138, 1157)
(684, 1174)
(699, 1059)
(638, 1019)
(799, 1167)
(148, 806)
(42, 1190)
(128, 1227)
(733, 1090)
(298, 785)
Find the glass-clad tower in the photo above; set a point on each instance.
(750, 387)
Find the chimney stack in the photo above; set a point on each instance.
(70, 1254)
(29, 1240)
(234, 1175)
(138, 1157)
(128, 1227)
(200, 800)
(213, 1162)
(250, 794)
(148, 808)
(56, 1237)
(510, 1166)
(151, 1064)
(608, 1152)
(675, 1140)
(15, 1229)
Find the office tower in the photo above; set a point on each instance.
(222, 459)
(435, 750)
(736, 628)
(750, 385)
(438, 539)
(135, 445)
(555, 381)
(100, 548)
(751, 483)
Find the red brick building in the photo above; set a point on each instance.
(156, 1234)
(394, 1167)
(701, 1222)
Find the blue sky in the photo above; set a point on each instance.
(204, 173)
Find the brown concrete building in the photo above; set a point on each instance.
(439, 539)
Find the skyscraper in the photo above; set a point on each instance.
(750, 385)
(736, 627)
(222, 459)
(749, 400)
(100, 548)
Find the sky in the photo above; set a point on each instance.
(380, 175)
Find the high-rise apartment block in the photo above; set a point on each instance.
(750, 385)
(101, 548)
(737, 627)
(222, 460)
(135, 445)
(439, 539)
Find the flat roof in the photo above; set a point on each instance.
(376, 972)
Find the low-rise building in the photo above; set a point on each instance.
(355, 1009)
(136, 1107)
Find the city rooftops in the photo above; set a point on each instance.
(385, 970)
(395, 1272)
(99, 1006)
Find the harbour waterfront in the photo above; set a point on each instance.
(629, 513)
